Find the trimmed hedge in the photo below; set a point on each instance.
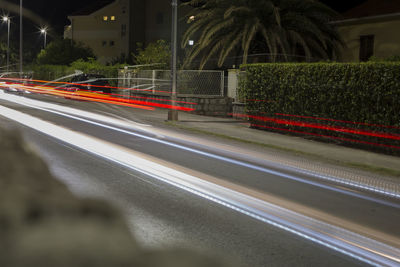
(49, 72)
(52, 72)
(356, 96)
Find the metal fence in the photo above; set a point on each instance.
(189, 82)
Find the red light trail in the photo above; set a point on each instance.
(96, 96)
(13, 80)
(342, 121)
(323, 127)
(327, 136)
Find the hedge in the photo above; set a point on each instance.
(356, 103)
(49, 72)
(52, 72)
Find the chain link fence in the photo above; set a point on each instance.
(189, 82)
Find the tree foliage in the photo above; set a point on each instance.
(155, 53)
(64, 52)
(281, 26)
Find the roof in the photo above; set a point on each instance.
(372, 8)
(92, 8)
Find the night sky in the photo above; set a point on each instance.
(56, 11)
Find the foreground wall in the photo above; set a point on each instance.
(43, 224)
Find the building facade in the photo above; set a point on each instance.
(371, 29)
(113, 28)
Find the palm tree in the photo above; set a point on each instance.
(283, 26)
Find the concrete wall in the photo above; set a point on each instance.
(386, 32)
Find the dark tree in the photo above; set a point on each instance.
(279, 27)
(64, 52)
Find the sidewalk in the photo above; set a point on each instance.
(235, 130)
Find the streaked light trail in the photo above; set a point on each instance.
(75, 113)
(87, 95)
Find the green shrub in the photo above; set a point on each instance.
(64, 52)
(358, 96)
(154, 53)
(49, 72)
(91, 66)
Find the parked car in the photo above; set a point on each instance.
(89, 82)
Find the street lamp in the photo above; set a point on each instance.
(7, 19)
(173, 113)
(44, 32)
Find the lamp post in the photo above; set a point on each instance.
(20, 37)
(173, 113)
(44, 32)
(7, 19)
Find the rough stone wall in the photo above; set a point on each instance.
(43, 224)
(238, 110)
(209, 106)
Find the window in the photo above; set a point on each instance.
(366, 47)
(105, 18)
(112, 18)
(104, 43)
(112, 43)
(160, 18)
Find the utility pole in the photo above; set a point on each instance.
(8, 44)
(7, 20)
(173, 113)
(20, 38)
(44, 32)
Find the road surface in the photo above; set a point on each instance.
(163, 212)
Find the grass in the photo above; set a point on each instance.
(364, 167)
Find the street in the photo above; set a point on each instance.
(165, 213)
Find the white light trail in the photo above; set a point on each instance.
(87, 117)
(343, 241)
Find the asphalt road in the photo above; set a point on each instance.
(162, 215)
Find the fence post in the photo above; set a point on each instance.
(222, 82)
(233, 77)
(129, 79)
(153, 81)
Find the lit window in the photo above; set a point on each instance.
(105, 18)
(191, 42)
(112, 18)
(191, 18)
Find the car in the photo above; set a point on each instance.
(89, 82)
(14, 87)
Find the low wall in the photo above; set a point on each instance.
(238, 110)
(202, 105)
